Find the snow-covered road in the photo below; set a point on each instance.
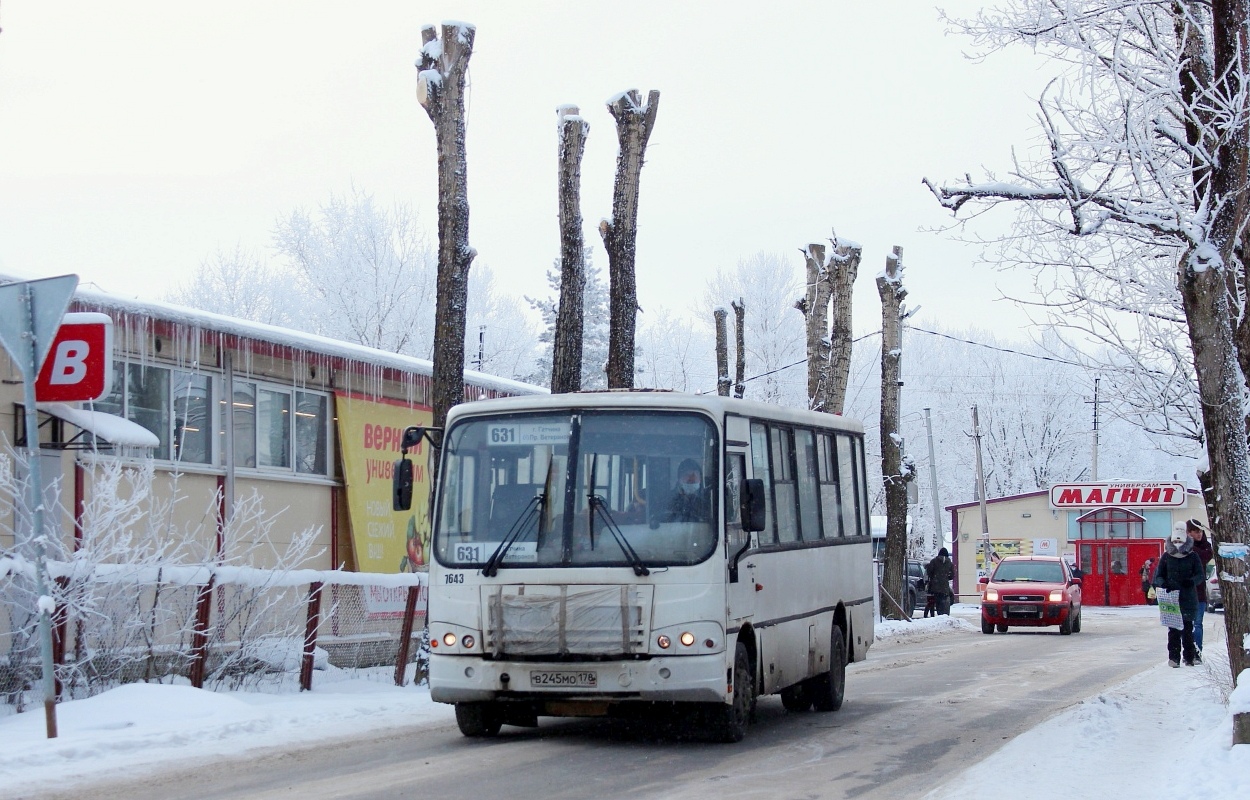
(1162, 733)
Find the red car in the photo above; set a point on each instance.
(1031, 591)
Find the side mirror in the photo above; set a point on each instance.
(401, 485)
(1075, 581)
(411, 438)
(753, 518)
(983, 580)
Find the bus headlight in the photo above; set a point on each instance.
(449, 639)
(696, 638)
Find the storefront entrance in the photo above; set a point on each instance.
(1112, 570)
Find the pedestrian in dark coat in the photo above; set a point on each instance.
(938, 575)
(1202, 546)
(1181, 570)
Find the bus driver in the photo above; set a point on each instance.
(690, 501)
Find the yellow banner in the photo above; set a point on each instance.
(369, 433)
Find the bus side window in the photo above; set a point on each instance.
(759, 469)
(785, 489)
(830, 506)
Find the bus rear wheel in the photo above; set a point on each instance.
(729, 722)
(827, 691)
(478, 719)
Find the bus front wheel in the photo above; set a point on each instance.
(478, 719)
(729, 721)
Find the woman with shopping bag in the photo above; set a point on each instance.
(1176, 589)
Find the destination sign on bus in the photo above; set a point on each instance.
(528, 433)
(478, 552)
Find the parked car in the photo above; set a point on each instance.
(1215, 598)
(917, 592)
(1031, 591)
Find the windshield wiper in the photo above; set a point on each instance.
(597, 503)
(522, 523)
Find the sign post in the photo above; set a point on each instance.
(30, 313)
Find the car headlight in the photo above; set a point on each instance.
(1056, 596)
(991, 594)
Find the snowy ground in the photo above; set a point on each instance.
(1164, 733)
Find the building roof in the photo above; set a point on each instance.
(134, 316)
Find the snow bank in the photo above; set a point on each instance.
(141, 725)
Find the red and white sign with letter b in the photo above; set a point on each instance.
(79, 363)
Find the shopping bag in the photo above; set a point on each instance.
(1152, 594)
(1170, 608)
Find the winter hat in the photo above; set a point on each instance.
(1179, 544)
(942, 553)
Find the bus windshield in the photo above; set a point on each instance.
(578, 488)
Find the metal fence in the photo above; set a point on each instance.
(224, 627)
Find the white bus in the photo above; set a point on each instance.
(605, 553)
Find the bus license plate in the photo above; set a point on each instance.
(562, 679)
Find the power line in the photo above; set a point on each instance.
(789, 366)
(994, 347)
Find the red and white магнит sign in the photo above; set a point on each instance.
(78, 366)
(1136, 495)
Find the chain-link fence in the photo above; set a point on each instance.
(228, 627)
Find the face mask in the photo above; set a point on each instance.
(689, 488)
(1179, 539)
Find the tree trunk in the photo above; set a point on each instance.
(634, 122)
(440, 90)
(566, 348)
(1220, 386)
(844, 267)
(740, 311)
(815, 308)
(1212, 282)
(896, 470)
(722, 352)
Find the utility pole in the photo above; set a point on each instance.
(933, 487)
(985, 519)
(1094, 456)
(481, 348)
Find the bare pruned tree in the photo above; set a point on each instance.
(719, 316)
(896, 467)
(566, 350)
(634, 121)
(814, 304)
(442, 70)
(843, 268)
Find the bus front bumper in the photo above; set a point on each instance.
(467, 679)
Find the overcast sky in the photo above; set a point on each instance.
(137, 138)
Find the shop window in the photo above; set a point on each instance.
(273, 429)
(243, 409)
(193, 418)
(310, 433)
(1111, 523)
